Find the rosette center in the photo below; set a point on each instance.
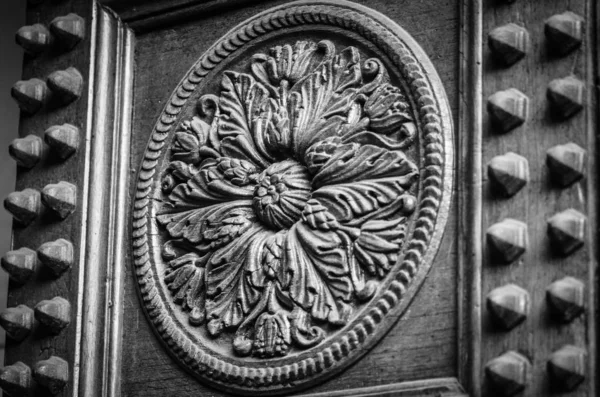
(281, 194)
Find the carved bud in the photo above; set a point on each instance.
(508, 374)
(186, 148)
(318, 217)
(17, 322)
(34, 39)
(61, 197)
(30, 95)
(20, 264)
(567, 367)
(566, 163)
(507, 240)
(55, 314)
(52, 373)
(566, 96)
(508, 305)
(69, 30)
(238, 172)
(15, 379)
(564, 32)
(63, 139)
(387, 109)
(272, 335)
(66, 85)
(509, 173)
(26, 151)
(24, 205)
(508, 109)
(509, 43)
(56, 255)
(566, 298)
(566, 231)
(319, 153)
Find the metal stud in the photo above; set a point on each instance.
(508, 109)
(34, 39)
(507, 240)
(26, 151)
(509, 43)
(63, 139)
(24, 205)
(567, 367)
(566, 96)
(56, 255)
(566, 163)
(566, 231)
(61, 197)
(66, 85)
(55, 314)
(19, 264)
(52, 373)
(509, 173)
(508, 374)
(17, 322)
(69, 30)
(30, 95)
(508, 305)
(564, 32)
(15, 379)
(566, 298)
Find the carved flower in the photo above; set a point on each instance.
(289, 199)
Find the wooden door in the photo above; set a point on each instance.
(316, 198)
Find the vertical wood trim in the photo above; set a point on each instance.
(103, 261)
(470, 198)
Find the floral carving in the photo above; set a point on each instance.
(287, 197)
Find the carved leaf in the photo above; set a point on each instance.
(185, 278)
(378, 245)
(353, 200)
(320, 277)
(353, 162)
(230, 294)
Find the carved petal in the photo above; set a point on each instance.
(352, 163)
(319, 270)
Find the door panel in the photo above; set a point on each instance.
(494, 314)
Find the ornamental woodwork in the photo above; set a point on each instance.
(319, 198)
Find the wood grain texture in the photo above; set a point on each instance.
(40, 345)
(541, 334)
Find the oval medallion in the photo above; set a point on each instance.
(292, 196)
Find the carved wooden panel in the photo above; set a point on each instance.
(317, 198)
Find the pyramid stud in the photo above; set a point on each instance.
(564, 32)
(15, 379)
(34, 39)
(56, 255)
(509, 173)
(508, 305)
(19, 264)
(508, 109)
(52, 373)
(507, 240)
(69, 30)
(30, 95)
(63, 139)
(566, 367)
(61, 197)
(26, 151)
(17, 322)
(55, 314)
(566, 96)
(24, 205)
(509, 43)
(565, 298)
(566, 163)
(66, 84)
(566, 231)
(508, 374)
